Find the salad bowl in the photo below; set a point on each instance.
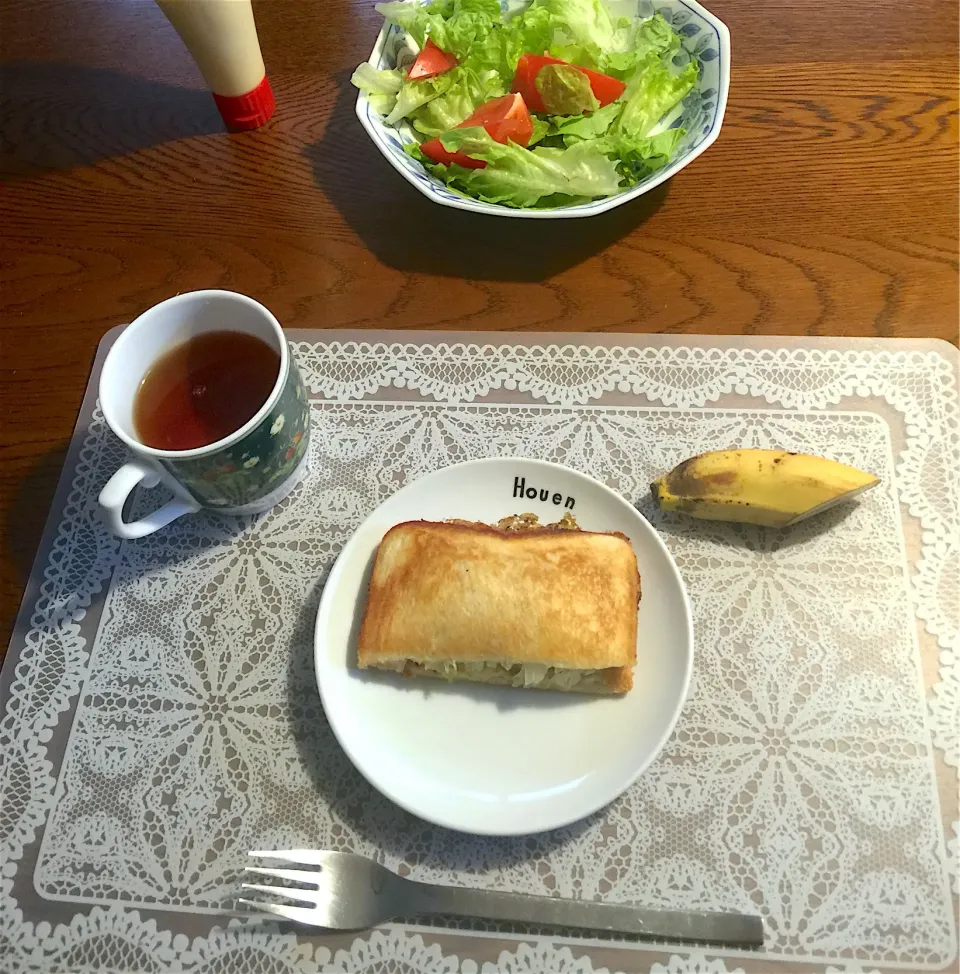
(703, 38)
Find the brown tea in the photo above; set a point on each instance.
(203, 390)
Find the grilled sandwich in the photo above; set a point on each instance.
(518, 605)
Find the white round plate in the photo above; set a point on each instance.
(497, 760)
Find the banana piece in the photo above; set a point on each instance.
(769, 487)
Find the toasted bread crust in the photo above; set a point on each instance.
(471, 593)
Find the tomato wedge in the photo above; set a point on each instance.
(506, 119)
(604, 88)
(430, 62)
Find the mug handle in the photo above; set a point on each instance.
(114, 495)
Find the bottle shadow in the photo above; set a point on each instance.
(61, 116)
(410, 233)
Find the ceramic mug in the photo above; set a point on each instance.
(246, 472)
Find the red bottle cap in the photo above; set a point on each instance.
(247, 111)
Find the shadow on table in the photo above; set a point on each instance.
(356, 803)
(25, 518)
(407, 231)
(59, 116)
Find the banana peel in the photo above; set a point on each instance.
(774, 488)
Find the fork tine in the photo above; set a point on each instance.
(305, 857)
(298, 913)
(297, 875)
(286, 892)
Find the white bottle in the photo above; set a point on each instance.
(222, 37)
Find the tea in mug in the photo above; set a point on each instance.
(203, 390)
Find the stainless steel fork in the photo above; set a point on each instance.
(349, 892)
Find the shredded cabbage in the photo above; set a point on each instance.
(505, 674)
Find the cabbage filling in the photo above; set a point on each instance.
(534, 675)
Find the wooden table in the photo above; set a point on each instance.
(828, 206)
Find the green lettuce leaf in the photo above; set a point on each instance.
(541, 128)
(380, 87)
(414, 94)
(656, 35)
(412, 17)
(467, 91)
(470, 21)
(500, 49)
(443, 173)
(588, 24)
(520, 177)
(651, 37)
(585, 55)
(453, 25)
(565, 90)
(650, 95)
(592, 126)
(638, 158)
(532, 31)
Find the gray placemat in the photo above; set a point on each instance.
(161, 717)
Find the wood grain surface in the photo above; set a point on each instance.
(828, 205)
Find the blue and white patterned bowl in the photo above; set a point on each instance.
(703, 36)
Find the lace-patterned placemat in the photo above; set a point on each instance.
(161, 719)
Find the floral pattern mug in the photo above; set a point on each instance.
(248, 471)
